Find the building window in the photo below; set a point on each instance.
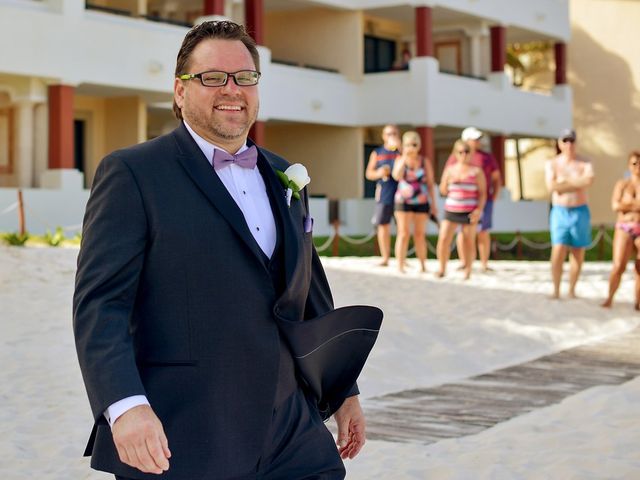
(369, 186)
(379, 54)
(79, 137)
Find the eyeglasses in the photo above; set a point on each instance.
(242, 78)
(568, 140)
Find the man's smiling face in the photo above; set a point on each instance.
(221, 115)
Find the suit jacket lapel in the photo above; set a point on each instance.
(202, 174)
(290, 238)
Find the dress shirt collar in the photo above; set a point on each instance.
(206, 147)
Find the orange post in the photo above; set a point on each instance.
(336, 238)
(21, 224)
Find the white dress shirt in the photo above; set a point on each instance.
(246, 186)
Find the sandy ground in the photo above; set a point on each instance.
(434, 331)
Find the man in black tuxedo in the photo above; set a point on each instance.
(191, 253)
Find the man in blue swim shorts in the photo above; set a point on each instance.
(567, 177)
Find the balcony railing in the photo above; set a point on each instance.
(129, 13)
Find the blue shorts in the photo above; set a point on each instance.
(382, 214)
(570, 226)
(486, 222)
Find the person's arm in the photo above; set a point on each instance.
(482, 197)
(617, 202)
(398, 169)
(496, 183)
(110, 263)
(621, 201)
(444, 182)
(349, 417)
(553, 183)
(372, 173)
(430, 180)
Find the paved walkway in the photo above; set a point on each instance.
(427, 415)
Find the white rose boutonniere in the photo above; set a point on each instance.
(294, 179)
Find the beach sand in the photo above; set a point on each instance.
(434, 332)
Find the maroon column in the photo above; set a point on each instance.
(61, 126)
(257, 133)
(254, 19)
(426, 137)
(498, 48)
(214, 7)
(424, 32)
(497, 148)
(561, 63)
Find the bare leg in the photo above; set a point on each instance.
(636, 243)
(402, 238)
(419, 240)
(621, 252)
(484, 248)
(558, 254)
(637, 268)
(469, 246)
(384, 242)
(460, 250)
(575, 260)
(445, 237)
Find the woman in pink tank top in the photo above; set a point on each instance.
(465, 189)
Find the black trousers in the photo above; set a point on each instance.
(298, 446)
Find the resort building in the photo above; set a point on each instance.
(81, 79)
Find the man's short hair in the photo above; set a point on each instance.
(215, 30)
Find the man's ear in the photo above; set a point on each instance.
(178, 92)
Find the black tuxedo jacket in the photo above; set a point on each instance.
(174, 301)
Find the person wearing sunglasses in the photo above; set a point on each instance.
(567, 177)
(194, 253)
(464, 186)
(625, 201)
(493, 179)
(414, 199)
(379, 168)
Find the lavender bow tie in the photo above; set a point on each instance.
(246, 159)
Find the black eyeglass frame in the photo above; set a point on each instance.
(191, 76)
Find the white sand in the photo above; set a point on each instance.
(434, 331)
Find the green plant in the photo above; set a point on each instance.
(15, 239)
(54, 239)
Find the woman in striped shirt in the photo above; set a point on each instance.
(465, 190)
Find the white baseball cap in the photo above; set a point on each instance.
(470, 133)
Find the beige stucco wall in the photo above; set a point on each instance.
(92, 111)
(111, 123)
(317, 36)
(604, 73)
(332, 155)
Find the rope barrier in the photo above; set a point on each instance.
(72, 228)
(10, 208)
(534, 245)
(595, 240)
(326, 244)
(358, 241)
(508, 246)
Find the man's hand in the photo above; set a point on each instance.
(140, 440)
(351, 428)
